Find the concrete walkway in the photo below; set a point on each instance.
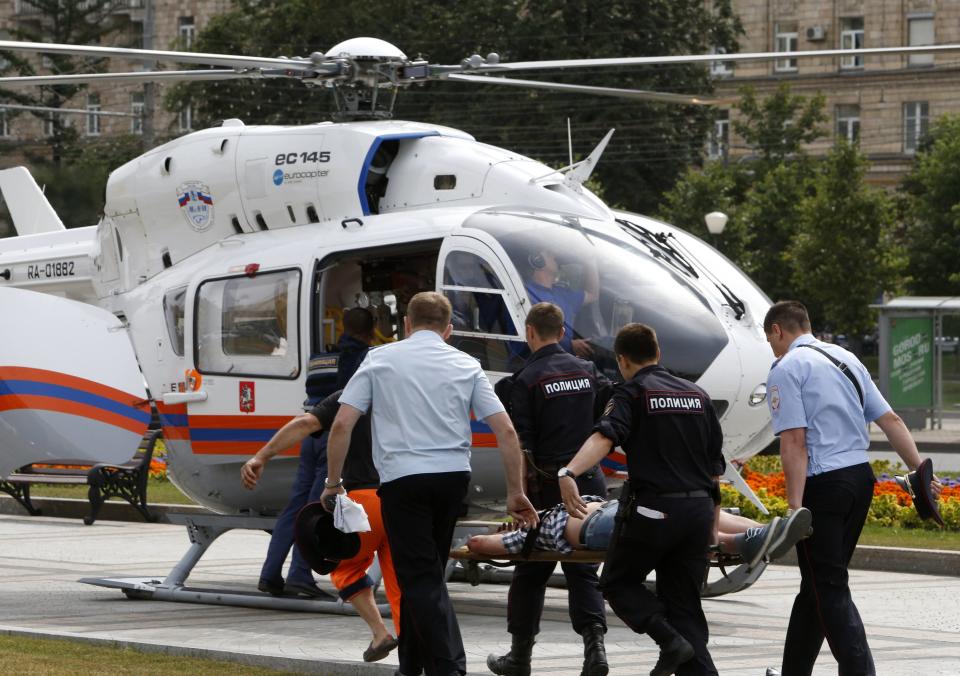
(912, 620)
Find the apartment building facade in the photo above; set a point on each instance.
(151, 24)
(885, 103)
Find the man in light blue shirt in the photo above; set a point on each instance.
(421, 392)
(821, 399)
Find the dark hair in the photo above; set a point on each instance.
(636, 342)
(358, 322)
(790, 315)
(546, 319)
(429, 310)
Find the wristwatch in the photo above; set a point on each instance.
(336, 485)
(565, 471)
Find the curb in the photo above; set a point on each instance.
(292, 664)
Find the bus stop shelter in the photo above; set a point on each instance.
(911, 356)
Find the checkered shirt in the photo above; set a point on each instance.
(553, 522)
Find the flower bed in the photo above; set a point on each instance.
(891, 505)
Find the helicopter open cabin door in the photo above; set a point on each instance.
(70, 386)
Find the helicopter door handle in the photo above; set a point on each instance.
(346, 221)
(183, 397)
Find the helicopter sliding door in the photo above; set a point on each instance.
(70, 386)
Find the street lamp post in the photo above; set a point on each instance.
(716, 221)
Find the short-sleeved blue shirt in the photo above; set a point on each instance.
(805, 389)
(569, 300)
(421, 392)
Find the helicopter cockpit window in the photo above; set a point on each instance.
(482, 325)
(174, 303)
(248, 325)
(602, 278)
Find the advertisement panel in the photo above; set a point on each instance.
(911, 362)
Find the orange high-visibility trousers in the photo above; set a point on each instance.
(350, 576)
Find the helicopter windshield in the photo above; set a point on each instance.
(603, 280)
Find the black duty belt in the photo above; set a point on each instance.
(686, 494)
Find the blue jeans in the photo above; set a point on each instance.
(307, 487)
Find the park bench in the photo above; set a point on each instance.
(127, 480)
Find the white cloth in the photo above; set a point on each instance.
(349, 516)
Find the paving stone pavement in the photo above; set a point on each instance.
(913, 621)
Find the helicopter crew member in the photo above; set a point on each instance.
(421, 392)
(328, 372)
(553, 402)
(669, 508)
(542, 287)
(821, 400)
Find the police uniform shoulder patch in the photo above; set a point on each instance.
(608, 409)
(664, 402)
(775, 397)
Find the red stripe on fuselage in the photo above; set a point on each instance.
(75, 382)
(12, 402)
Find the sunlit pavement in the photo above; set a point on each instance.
(913, 621)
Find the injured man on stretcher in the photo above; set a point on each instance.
(559, 532)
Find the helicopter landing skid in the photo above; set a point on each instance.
(203, 530)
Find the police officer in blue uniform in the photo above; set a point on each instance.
(669, 509)
(553, 402)
(326, 373)
(821, 399)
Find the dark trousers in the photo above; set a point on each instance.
(676, 548)
(529, 583)
(419, 513)
(307, 487)
(839, 501)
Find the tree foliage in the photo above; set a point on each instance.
(843, 255)
(653, 144)
(778, 126)
(933, 204)
(77, 22)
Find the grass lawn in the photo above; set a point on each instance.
(158, 492)
(910, 538)
(47, 657)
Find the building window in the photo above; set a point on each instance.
(93, 115)
(851, 37)
(920, 33)
(136, 34)
(136, 107)
(51, 123)
(4, 124)
(719, 144)
(848, 122)
(786, 40)
(186, 117)
(187, 30)
(916, 115)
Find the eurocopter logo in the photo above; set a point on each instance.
(278, 177)
(196, 204)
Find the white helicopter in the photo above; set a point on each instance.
(224, 259)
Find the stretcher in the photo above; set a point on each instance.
(735, 574)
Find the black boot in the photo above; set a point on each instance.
(594, 654)
(674, 648)
(517, 661)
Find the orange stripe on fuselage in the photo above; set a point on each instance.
(13, 402)
(75, 382)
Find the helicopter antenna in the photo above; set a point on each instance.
(569, 143)
(581, 173)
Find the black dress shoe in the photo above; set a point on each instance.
(672, 655)
(274, 587)
(308, 589)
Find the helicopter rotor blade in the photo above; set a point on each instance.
(637, 94)
(138, 76)
(67, 111)
(319, 63)
(695, 58)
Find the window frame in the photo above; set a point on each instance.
(852, 122)
(850, 35)
(187, 31)
(791, 41)
(921, 125)
(93, 127)
(137, 108)
(296, 335)
(718, 145)
(920, 60)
